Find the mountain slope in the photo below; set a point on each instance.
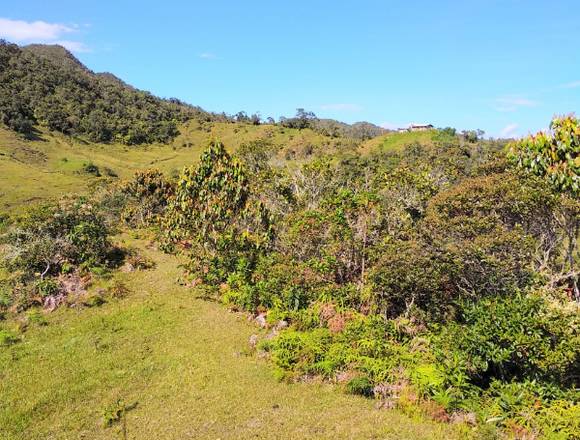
(47, 86)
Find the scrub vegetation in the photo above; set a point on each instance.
(299, 279)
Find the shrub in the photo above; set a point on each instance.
(147, 195)
(360, 385)
(515, 338)
(47, 287)
(553, 155)
(47, 237)
(139, 261)
(214, 218)
(118, 289)
(91, 168)
(411, 274)
(7, 338)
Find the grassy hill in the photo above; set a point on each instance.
(54, 164)
(396, 141)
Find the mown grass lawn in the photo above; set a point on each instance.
(181, 361)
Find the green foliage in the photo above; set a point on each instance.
(46, 85)
(114, 413)
(554, 155)
(360, 385)
(49, 238)
(303, 119)
(144, 197)
(515, 339)
(7, 338)
(91, 168)
(35, 316)
(214, 217)
(47, 287)
(47, 241)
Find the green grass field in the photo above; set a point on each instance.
(396, 141)
(46, 169)
(183, 362)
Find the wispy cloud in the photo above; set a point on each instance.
(571, 85)
(513, 103)
(73, 46)
(342, 107)
(509, 131)
(39, 31)
(208, 56)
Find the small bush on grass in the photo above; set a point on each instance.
(118, 289)
(46, 237)
(139, 261)
(360, 385)
(49, 240)
(91, 168)
(7, 338)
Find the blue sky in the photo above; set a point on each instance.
(503, 66)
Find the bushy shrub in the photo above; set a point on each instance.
(275, 282)
(554, 155)
(45, 238)
(516, 338)
(7, 338)
(360, 385)
(147, 195)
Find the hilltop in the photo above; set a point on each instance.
(46, 86)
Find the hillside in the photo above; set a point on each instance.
(53, 164)
(228, 278)
(47, 86)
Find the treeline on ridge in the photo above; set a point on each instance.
(48, 86)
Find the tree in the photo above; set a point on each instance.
(17, 115)
(303, 119)
(213, 215)
(472, 135)
(554, 155)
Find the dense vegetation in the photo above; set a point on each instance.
(46, 85)
(438, 274)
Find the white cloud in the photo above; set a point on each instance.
(509, 131)
(513, 103)
(19, 31)
(571, 85)
(73, 46)
(208, 56)
(342, 107)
